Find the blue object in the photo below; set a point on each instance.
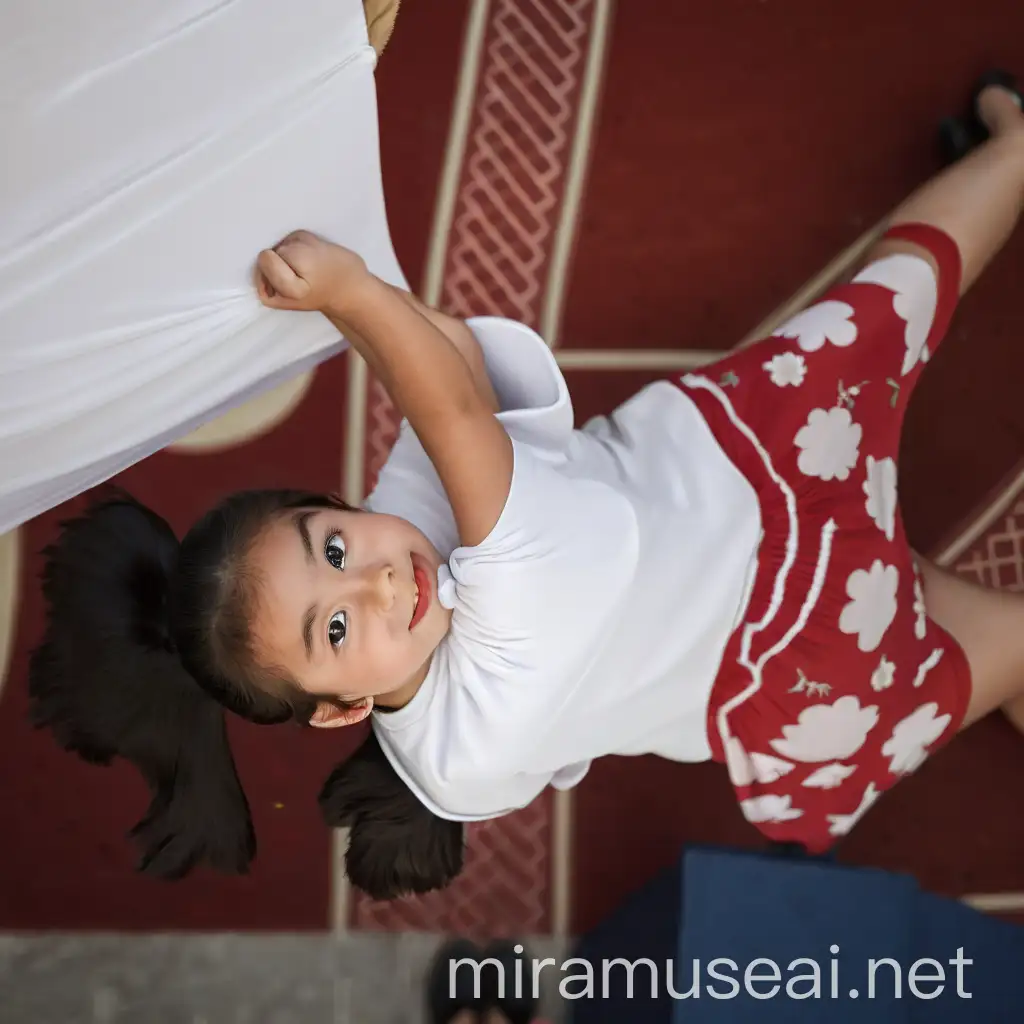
(781, 939)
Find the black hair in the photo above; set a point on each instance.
(147, 644)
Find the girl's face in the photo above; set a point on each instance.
(348, 603)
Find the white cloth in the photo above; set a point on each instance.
(592, 619)
(151, 150)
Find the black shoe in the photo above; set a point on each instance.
(958, 136)
(444, 1002)
(956, 140)
(519, 1003)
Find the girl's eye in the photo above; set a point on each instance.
(337, 628)
(334, 551)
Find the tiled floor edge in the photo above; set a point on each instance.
(228, 978)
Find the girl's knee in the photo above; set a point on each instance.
(988, 626)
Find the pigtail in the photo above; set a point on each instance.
(107, 682)
(396, 847)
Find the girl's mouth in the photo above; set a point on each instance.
(422, 602)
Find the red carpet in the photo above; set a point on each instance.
(738, 146)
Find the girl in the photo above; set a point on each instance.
(717, 570)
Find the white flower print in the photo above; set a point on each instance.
(910, 738)
(827, 732)
(915, 299)
(841, 824)
(787, 369)
(921, 623)
(827, 321)
(872, 605)
(880, 488)
(829, 776)
(770, 808)
(927, 665)
(883, 676)
(831, 444)
(746, 769)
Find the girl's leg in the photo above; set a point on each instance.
(977, 201)
(989, 626)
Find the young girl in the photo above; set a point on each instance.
(717, 570)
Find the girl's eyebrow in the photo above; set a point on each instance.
(307, 630)
(301, 522)
(302, 525)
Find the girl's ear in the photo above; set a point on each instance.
(333, 716)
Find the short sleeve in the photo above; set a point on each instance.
(535, 409)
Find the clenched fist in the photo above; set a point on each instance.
(306, 272)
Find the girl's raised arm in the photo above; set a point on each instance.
(423, 372)
(459, 334)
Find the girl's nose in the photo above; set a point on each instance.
(379, 587)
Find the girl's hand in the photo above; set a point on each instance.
(306, 272)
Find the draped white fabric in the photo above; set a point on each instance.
(150, 149)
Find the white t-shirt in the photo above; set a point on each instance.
(592, 619)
